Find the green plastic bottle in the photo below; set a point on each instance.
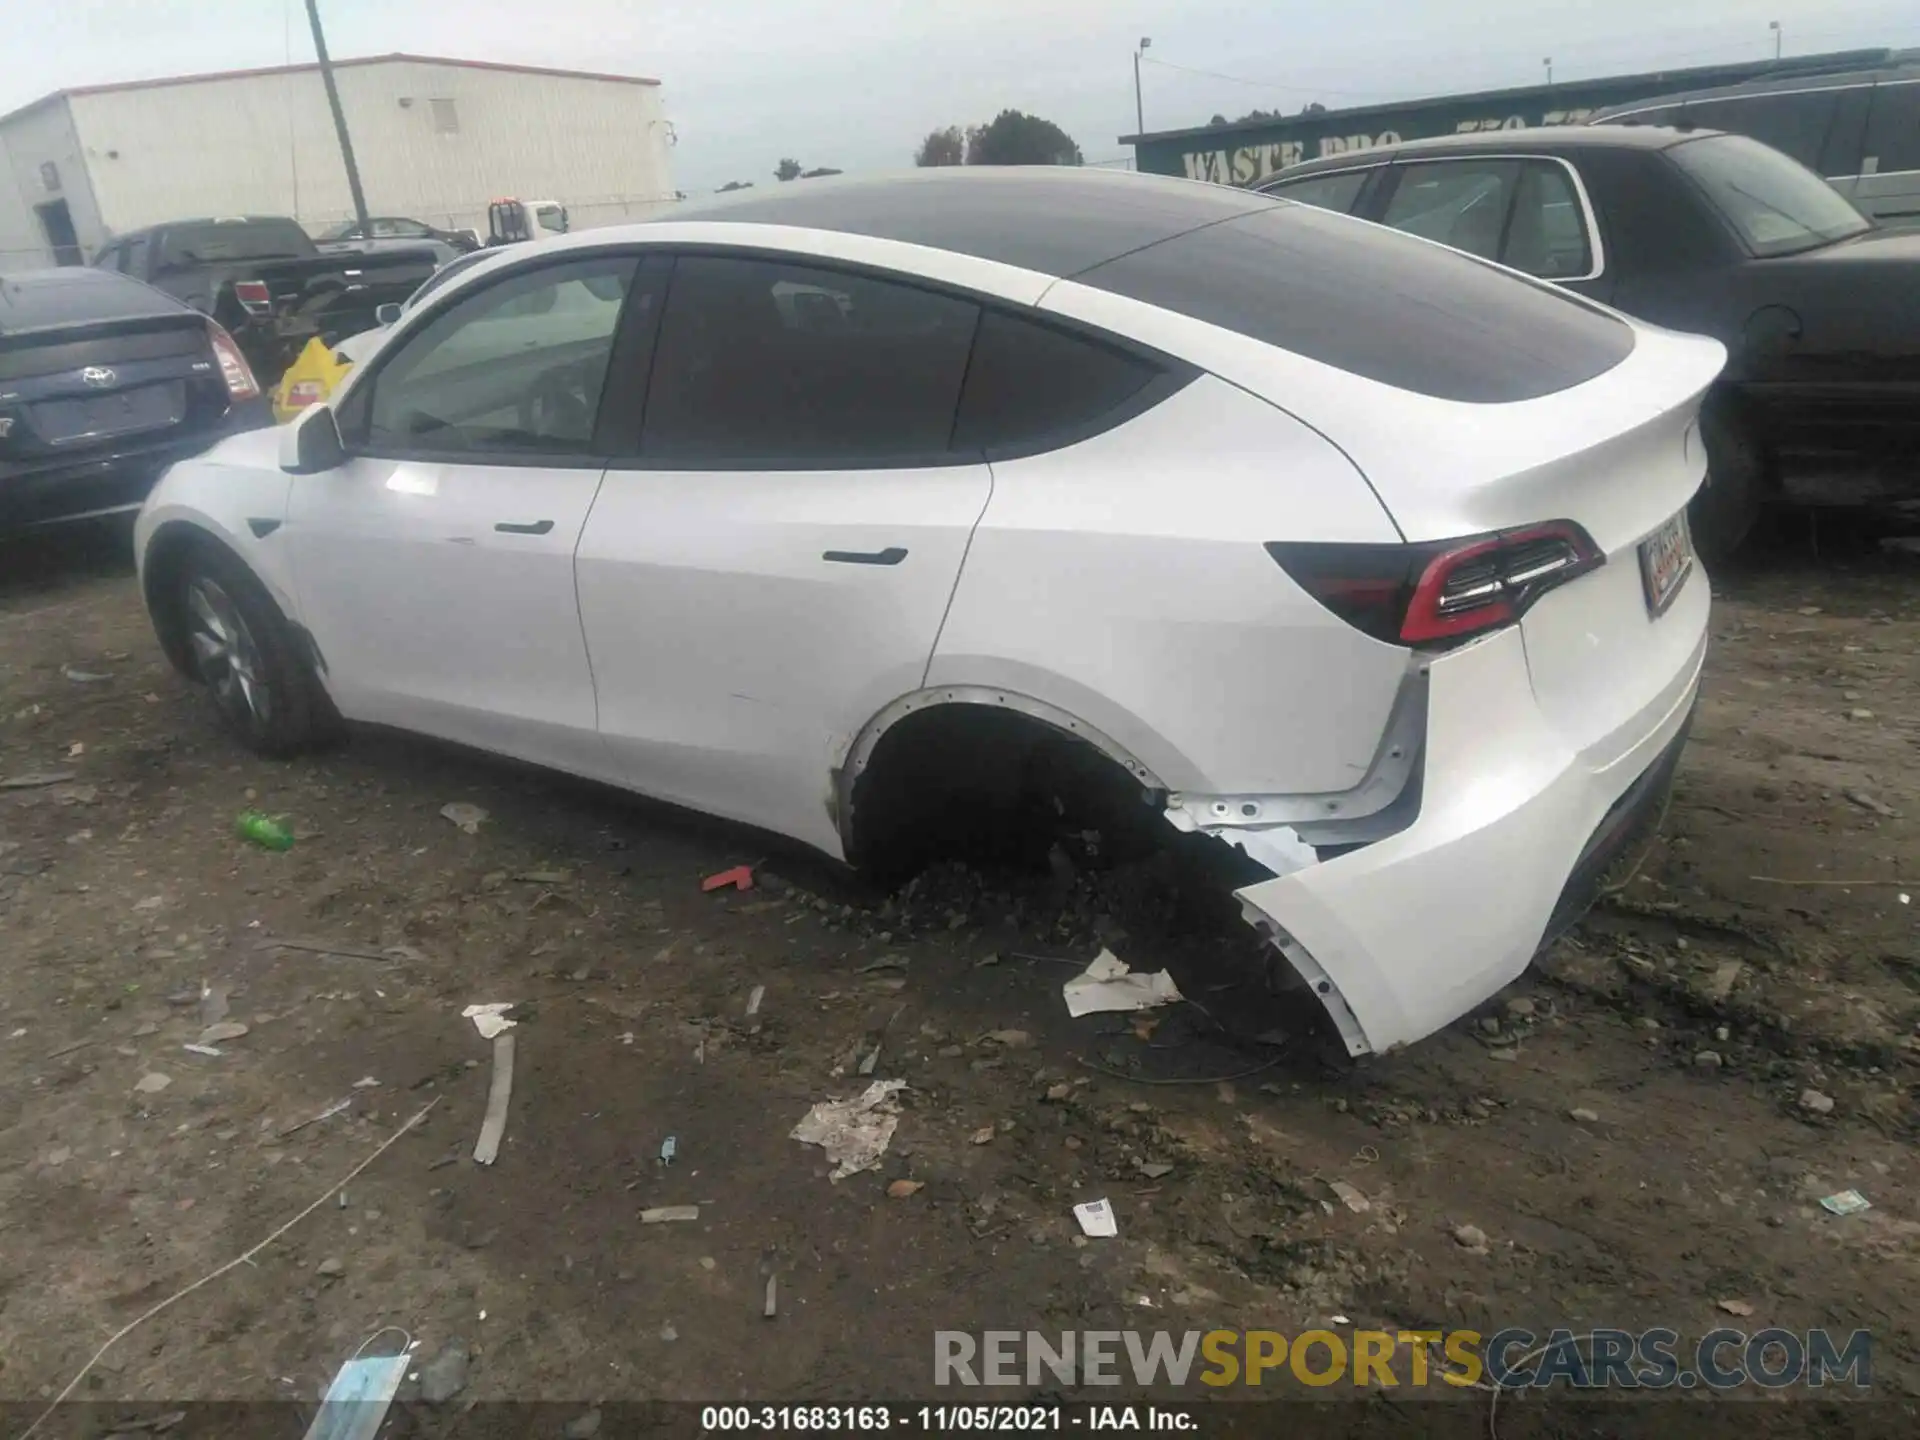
(263, 830)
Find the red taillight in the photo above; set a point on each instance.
(1440, 593)
(254, 295)
(233, 365)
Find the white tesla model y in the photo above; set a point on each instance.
(1359, 554)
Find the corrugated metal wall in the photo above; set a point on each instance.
(33, 140)
(434, 142)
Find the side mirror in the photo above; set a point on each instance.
(386, 314)
(310, 442)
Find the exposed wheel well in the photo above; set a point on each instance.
(979, 781)
(172, 546)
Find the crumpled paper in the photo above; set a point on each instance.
(855, 1133)
(1108, 985)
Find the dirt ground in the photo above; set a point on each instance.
(1764, 948)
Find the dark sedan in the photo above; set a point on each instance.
(1702, 231)
(386, 229)
(104, 382)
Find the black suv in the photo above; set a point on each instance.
(104, 382)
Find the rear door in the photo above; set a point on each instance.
(435, 566)
(773, 565)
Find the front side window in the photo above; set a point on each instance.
(515, 369)
(1776, 205)
(1462, 203)
(1329, 192)
(762, 363)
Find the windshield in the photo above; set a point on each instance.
(1777, 204)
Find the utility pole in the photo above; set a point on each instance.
(1548, 62)
(1774, 25)
(339, 116)
(1139, 111)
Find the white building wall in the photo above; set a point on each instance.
(32, 139)
(263, 144)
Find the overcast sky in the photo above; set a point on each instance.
(856, 83)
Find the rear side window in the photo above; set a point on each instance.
(764, 364)
(1378, 304)
(1329, 192)
(1028, 384)
(1462, 203)
(1794, 123)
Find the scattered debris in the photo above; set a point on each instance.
(983, 1136)
(1107, 985)
(1846, 1202)
(770, 1307)
(1868, 802)
(1816, 1103)
(1860, 714)
(330, 948)
(494, 1125)
(1584, 1116)
(901, 1189)
(59, 1155)
(221, 1033)
(468, 817)
(1348, 1195)
(855, 1133)
(1158, 1169)
(152, 1083)
(544, 877)
(36, 779)
(213, 1003)
(262, 830)
(445, 1376)
(1708, 1060)
(1505, 1053)
(1059, 1092)
(1735, 1307)
(209, 1050)
(1470, 1237)
(490, 1019)
(885, 962)
(326, 1114)
(331, 1268)
(1097, 1220)
(740, 877)
(1725, 976)
(355, 1405)
(582, 1427)
(668, 1148)
(666, 1214)
(1010, 1039)
(366, 1082)
(754, 997)
(83, 677)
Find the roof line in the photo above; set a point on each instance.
(395, 57)
(1828, 62)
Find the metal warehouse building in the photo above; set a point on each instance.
(435, 139)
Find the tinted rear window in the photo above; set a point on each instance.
(234, 240)
(1028, 383)
(1377, 304)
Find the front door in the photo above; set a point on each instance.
(774, 567)
(435, 566)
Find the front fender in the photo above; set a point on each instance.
(235, 494)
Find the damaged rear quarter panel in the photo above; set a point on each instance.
(1122, 579)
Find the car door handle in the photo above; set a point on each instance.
(534, 527)
(892, 555)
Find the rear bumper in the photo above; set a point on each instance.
(1404, 936)
(110, 480)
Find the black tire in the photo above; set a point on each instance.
(1727, 507)
(245, 653)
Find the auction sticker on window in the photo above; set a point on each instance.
(1666, 559)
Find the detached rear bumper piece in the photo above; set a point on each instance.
(1403, 936)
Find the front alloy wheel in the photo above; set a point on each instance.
(228, 656)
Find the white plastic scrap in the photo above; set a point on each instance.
(491, 1019)
(1108, 985)
(1097, 1219)
(855, 1133)
(468, 817)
